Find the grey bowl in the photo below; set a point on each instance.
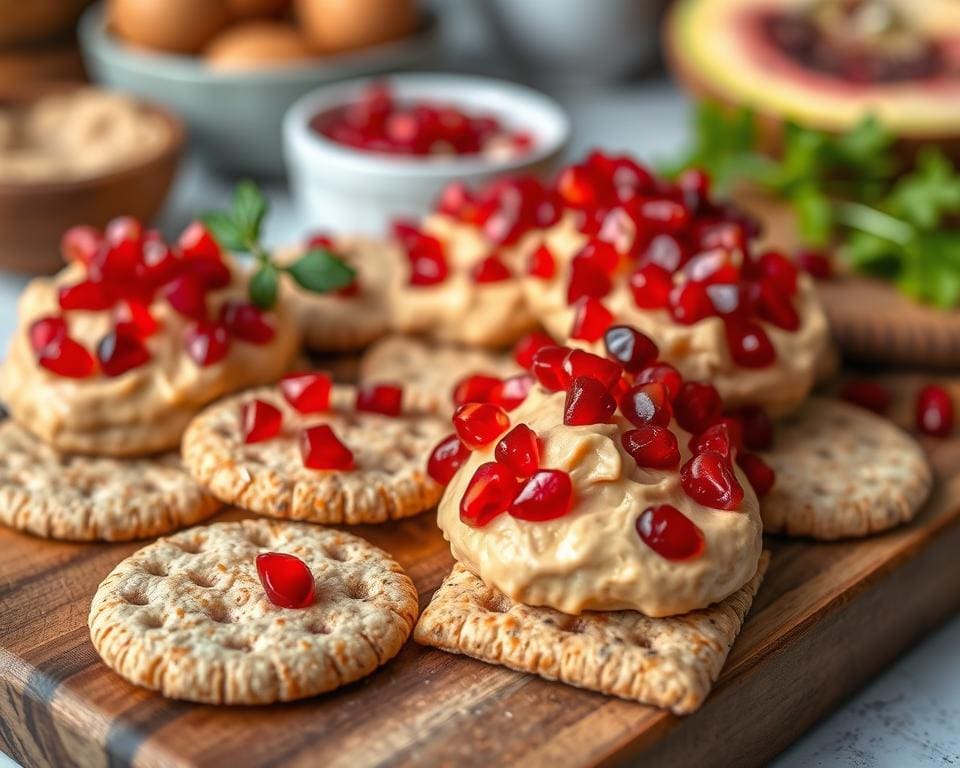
(235, 119)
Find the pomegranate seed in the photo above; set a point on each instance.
(286, 580)
(588, 402)
(80, 244)
(712, 267)
(134, 316)
(619, 231)
(528, 346)
(776, 307)
(477, 388)
(721, 234)
(580, 187)
(670, 533)
(663, 215)
(321, 449)
(632, 349)
(665, 374)
(307, 392)
(446, 458)
(934, 411)
(647, 404)
(428, 264)
(697, 406)
(591, 319)
(867, 394)
(817, 264)
(695, 180)
(580, 363)
(708, 479)
(779, 270)
(186, 295)
(760, 475)
(117, 260)
(386, 399)
(207, 343)
(259, 421)
(749, 344)
(729, 299)
(652, 447)
(587, 279)
(600, 253)
(197, 243)
(123, 229)
(542, 264)
(690, 303)
(158, 264)
(246, 322)
(519, 449)
(47, 330)
(651, 286)
(478, 424)
(87, 294)
(545, 496)
(490, 270)
(454, 199)
(512, 391)
(66, 357)
(548, 367)
(489, 493)
(757, 429)
(119, 352)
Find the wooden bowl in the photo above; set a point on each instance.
(36, 21)
(33, 216)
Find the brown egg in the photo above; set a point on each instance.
(252, 9)
(182, 26)
(337, 25)
(257, 44)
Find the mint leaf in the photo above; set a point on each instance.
(225, 231)
(929, 194)
(263, 286)
(814, 215)
(248, 210)
(320, 271)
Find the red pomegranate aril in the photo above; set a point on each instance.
(588, 402)
(477, 388)
(527, 347)
(651, 286)
(67, 358)
(307, 392)
(708, 479)
(756, 427)
(320, 448)
(207, 343)
(670, 533)
(690, 303)
(186, 295)
(721, 234)
(80, 244)
(728, 299)
(815, 263)
(47, 330)
(666, 252)
(385, 399)
(478, 424)
(580, 187)
(428, 264)
(87, 294)
(512, 391)
(778, 270)
(123, 229)
(717, 438)
(548, 367)
(749, 344)
(775, 306)
(867, 394)
(446, 458)
(259, 421)
(158, 263)
(135, 317)
(652, 447)
(120, 352)
(697, 406)
(197, 243)
(454, 199)
(600, 253)
(286, 580)
(712, 267)
(519, 449)
(647, 404)
(581, 363)
(490, 270)
(542, 264)
(590, 320)
(663, 215)
(630, 348)
(934, 411)
(587, 279)
(489, 493)
(545, 496)
(665, 374)
(758, 472)
(246, 322)
(619, 232)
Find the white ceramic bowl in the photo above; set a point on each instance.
(341, 189)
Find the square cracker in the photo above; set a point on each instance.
(668, 662)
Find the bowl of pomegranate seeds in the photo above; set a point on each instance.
(363, 152)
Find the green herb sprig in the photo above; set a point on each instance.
(239, 228)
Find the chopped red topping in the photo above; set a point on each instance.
(652, 447)
(489, 493)
(527, 347)
(708, 479)
(246, 322)
(519, 449)
(934, 411)
(307, 392)
(647, 404)
(490, 270)
(446, 458)
(119, 352)
(632, 349)
(670, 533)
(580, 363)
(548, 367)
(478, 424)
(512, 391)
(867, 394)
(87, 294)
(591, 319)
(477, 388)
(542, 264)
(46, 330)
(286, 579)
(758, 472)
(259, 421)
(697, 406)
(207, 343)
(385, 399)
(545, 496)
(321, 449)
(588, 402)
(66, 357)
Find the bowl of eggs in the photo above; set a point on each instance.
(231, 68)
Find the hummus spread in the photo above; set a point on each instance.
(593, 558)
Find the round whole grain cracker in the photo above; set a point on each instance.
(842, 472)
(187, 615)
(85, 498)
(390, 456)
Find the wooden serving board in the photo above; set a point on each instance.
(827, 618)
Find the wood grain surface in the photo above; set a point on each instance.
(827, 618)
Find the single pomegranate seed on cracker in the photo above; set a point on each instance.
(775, 306)
(207, 343)
(259, 421)
(203, 258)
(87, 294)
(587, 279)
(545, 496)
(647, 404)
(600, 253)
(526, 348)
(867, 394)
(588, 402)
(428, 264)
(67, 358)
(708, 479)
(652, 447)
(757, 429)
(778, 270)
(80, 244)
(749, 344)
(581, 363)
(934, 411)
(477, 388)
(724, 437)
(670, 533)
(320, 448)
(542, 264)
(580, 187)
(663, 373)
(134, 316)
(385, 399)
(548, 367)
(120, 352)
(815, 263)
(478, 424)
(758, 472)
(490, 270)
(47, 330)
(590, 320)
(489, 493)
(519, 449)
(690, 303)
(187, 295)
(245, 321)
(512, 391)
(632, 349)
(286, 579)
(446, 458)
(307, 392)
(697, 406)
(651, 286)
